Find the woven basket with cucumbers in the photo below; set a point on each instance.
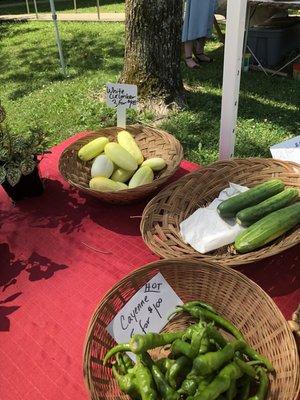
(265, 234)
(121, 166)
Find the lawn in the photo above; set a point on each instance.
(34, 92)
(19, 7)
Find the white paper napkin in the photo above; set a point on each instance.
(205, 230)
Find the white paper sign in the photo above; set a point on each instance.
(288, 150)
(147, 311)
(121, 96)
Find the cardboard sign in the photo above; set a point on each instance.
(121, 97)
(288, 150)
(147, 311)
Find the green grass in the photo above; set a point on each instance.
(34, 92)
(83, 6)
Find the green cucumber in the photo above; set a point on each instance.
(268, 228)
(230, 207)
(252, 214)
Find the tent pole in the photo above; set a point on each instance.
(98, 9)
(75, 5)
(57, 36)
(27, 7)
(234, 40)
(35, 9)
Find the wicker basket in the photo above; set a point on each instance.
(162, 216)
(231, 293)
(152, 142)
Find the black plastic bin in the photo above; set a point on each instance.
(272, 44)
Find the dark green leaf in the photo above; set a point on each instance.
(27, 166)
(4, 154)
(2, 174)
(13, 176)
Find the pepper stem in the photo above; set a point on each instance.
(120, 347)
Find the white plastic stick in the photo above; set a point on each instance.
(235, 28)
(121, 117)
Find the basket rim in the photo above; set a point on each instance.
(151, 185)
(159, 264)
(292, 168)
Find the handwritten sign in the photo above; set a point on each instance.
(121, 97)
(288, 150)
(147, 311)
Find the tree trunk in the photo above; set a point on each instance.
(153, 48)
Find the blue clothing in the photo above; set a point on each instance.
(198, 19)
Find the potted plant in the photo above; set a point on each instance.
(19, 173)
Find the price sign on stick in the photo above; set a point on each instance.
(121, 97)
(147, 311)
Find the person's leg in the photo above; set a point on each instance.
(199, 51)
(188, 53)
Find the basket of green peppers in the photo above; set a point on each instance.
(202, 364)
(201, 347)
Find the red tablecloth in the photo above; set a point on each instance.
(59, 254)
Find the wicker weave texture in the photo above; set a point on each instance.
(163, 214)
(152, 142)
(233, 295)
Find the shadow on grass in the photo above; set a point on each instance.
(39, 65)
(262, 98)
(198, 127)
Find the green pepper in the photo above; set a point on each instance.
(200, 343)
(203, 382)
(231, 372)
(194, 384)
(204, 313)
(244, 387)
(201, 304)
(144, 381)
(254, 355)
(166, 391)
(195, 328)
(178, 371)
(141, 343)
(164, 364)
(246, 368)
(231, 392)
(127, 383)
(120, 364)
(127, 361)
(263, 385)
(190, 384)
(179, 347)
(138, 381)
(206, 364)
(216, 336)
